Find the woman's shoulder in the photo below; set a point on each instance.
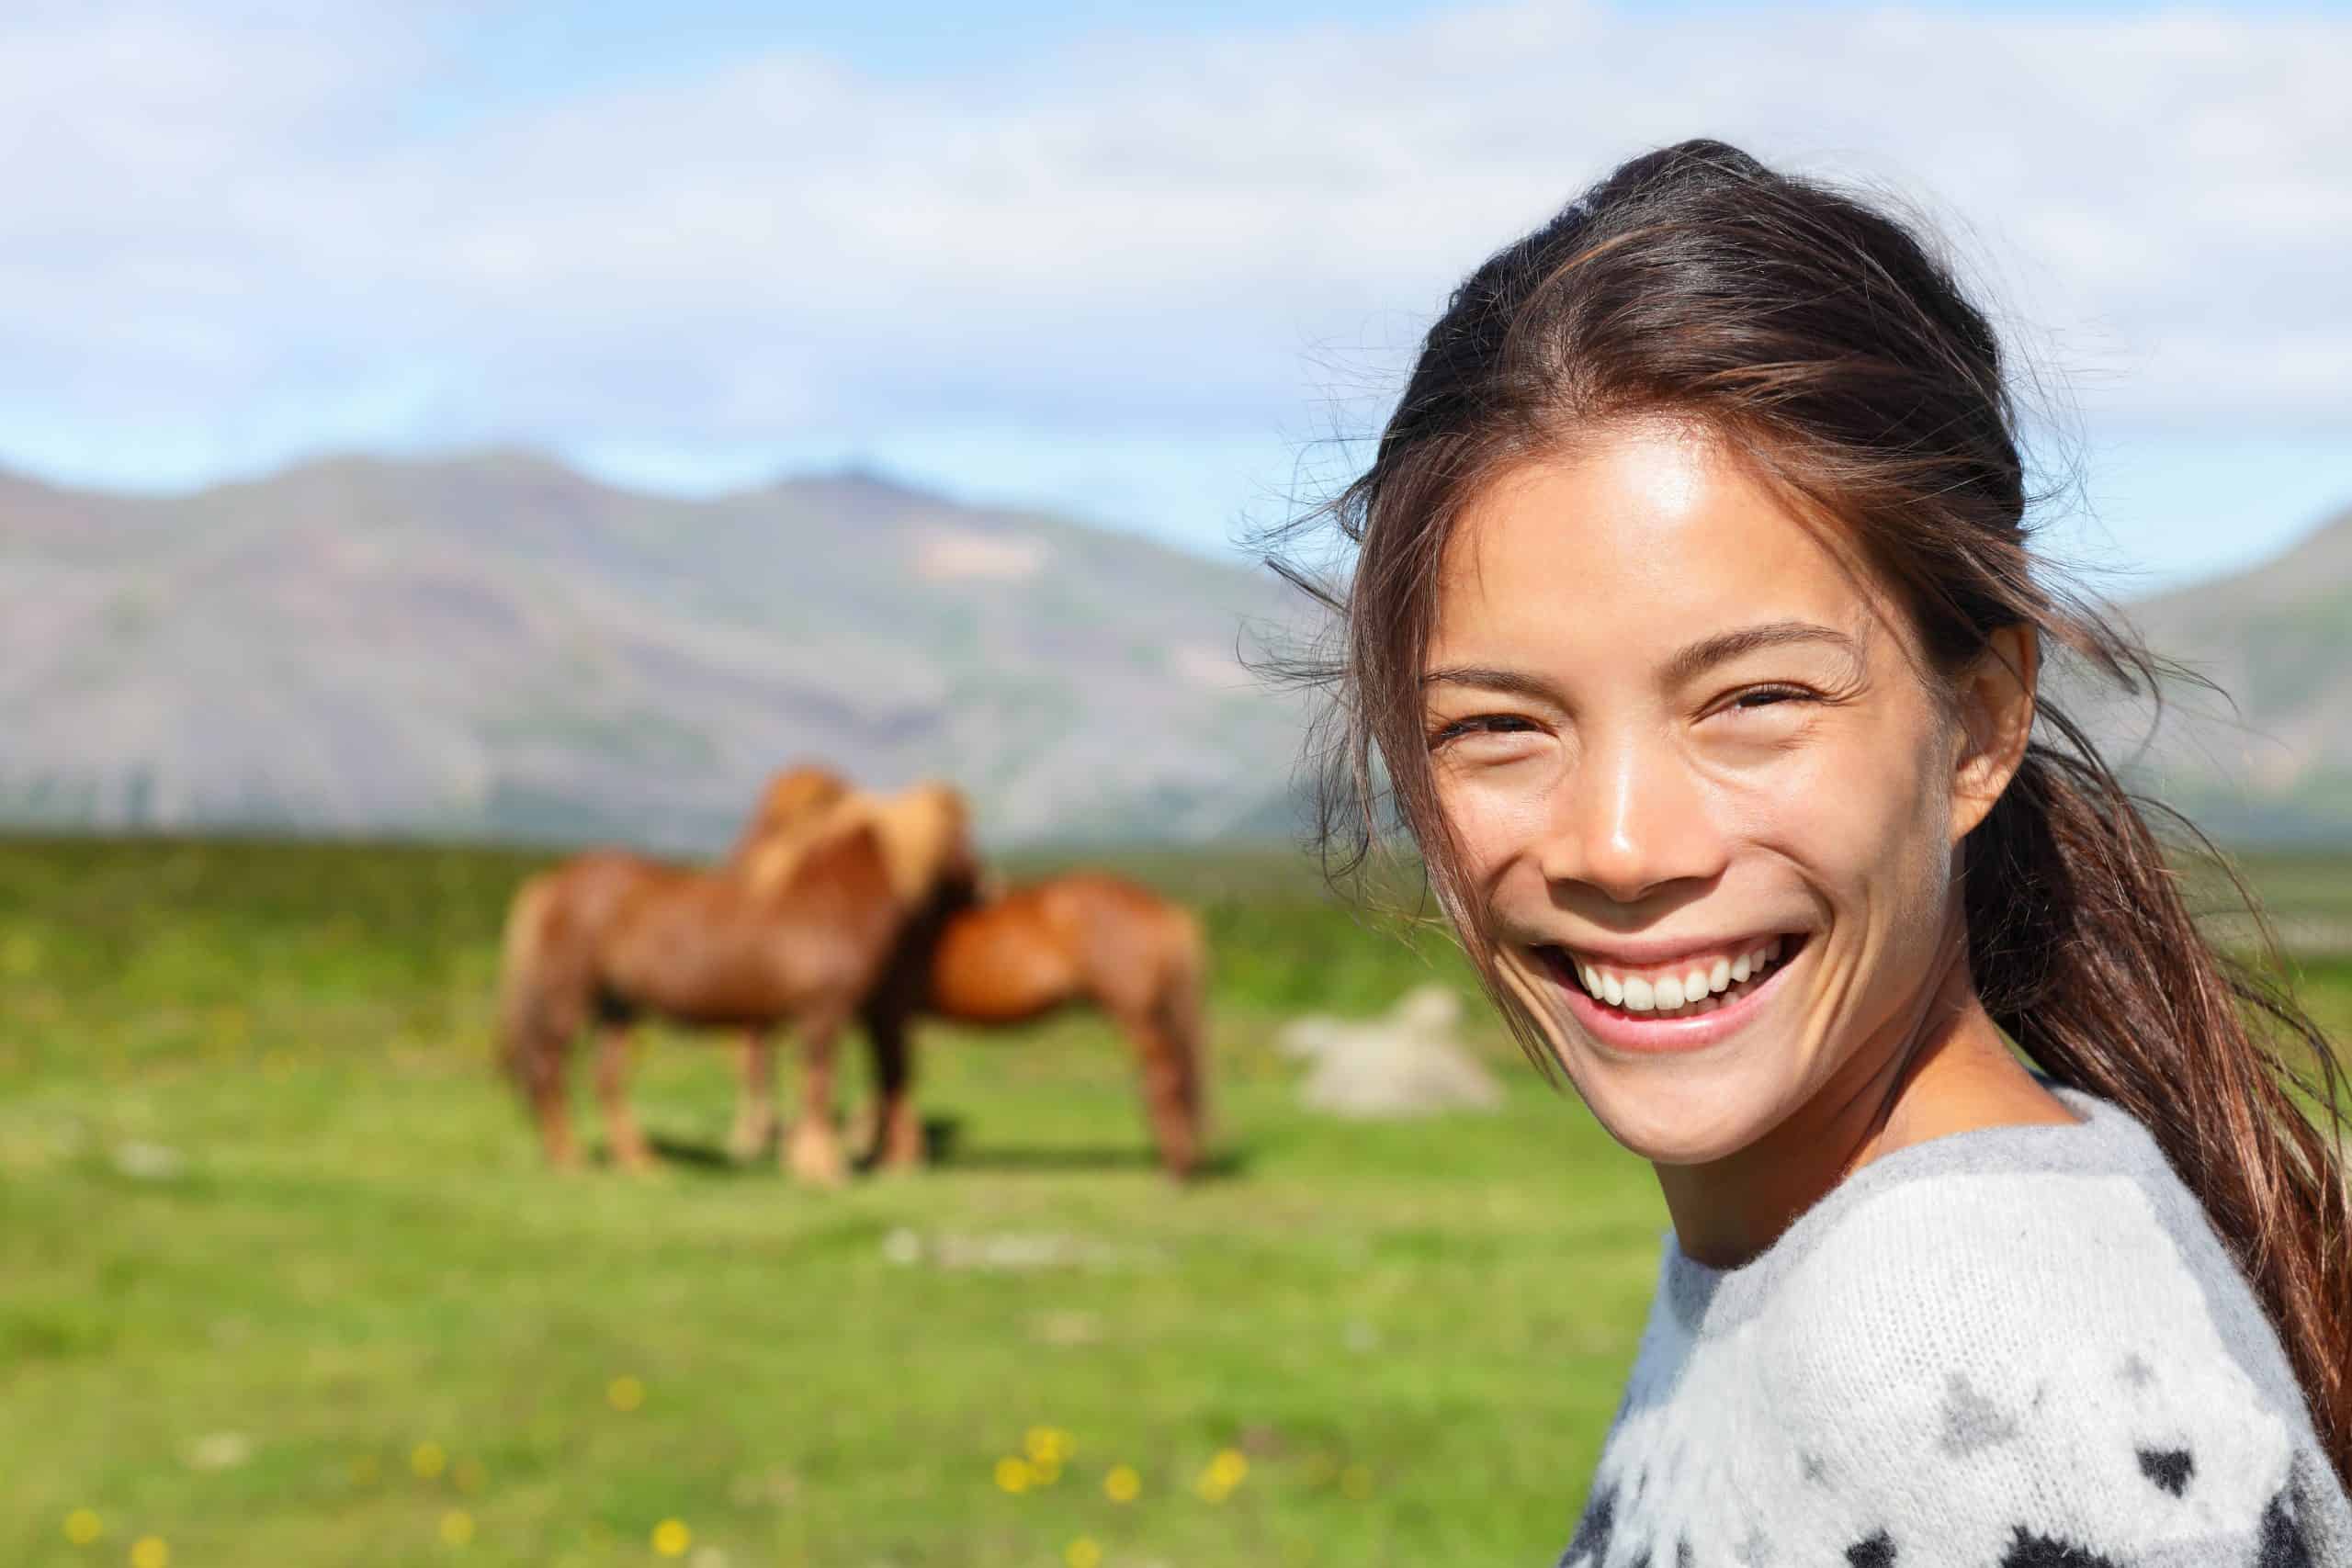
(2052, 1246)
(2029, 1335)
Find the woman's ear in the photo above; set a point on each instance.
(1997, 695)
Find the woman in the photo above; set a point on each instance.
(1692, 632)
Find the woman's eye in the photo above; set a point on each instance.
(1483, 723)
(1758, 698)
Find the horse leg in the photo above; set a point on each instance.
(629, 1145)
(1168, 1093)
(899, 1139)
(543, 1081)
(755, 1111)
(813, 1152)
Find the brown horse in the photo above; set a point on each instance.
(1082, 939)
(795, 937)
(556, 920)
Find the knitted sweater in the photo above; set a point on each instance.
(2015, 1347)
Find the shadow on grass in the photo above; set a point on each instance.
(945, 1148)
(704, 1159)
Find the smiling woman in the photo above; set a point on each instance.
(1694, 635)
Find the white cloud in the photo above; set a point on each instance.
(235, 238)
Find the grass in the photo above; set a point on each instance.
(282, 1279)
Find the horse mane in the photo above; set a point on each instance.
(924, 832)
(794, 803)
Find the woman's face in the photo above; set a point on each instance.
(1703, 797)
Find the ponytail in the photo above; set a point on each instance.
(2085, 953)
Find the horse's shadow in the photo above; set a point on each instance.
(945, 1148)
(705, 1159)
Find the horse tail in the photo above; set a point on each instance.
(1183, 1017)
(524, 1004)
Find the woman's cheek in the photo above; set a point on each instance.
(1852, 791)
(1493, 820)
(1803, 801)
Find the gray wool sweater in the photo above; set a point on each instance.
(2015, 1347)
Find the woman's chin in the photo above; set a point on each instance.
(1695, 1119)
(1678, 1147)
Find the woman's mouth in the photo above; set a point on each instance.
(1684, 1003)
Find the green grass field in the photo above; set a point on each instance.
(282, 1279)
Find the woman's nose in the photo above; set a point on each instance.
(1629, 822)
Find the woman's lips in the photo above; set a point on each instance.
(1693, 1028)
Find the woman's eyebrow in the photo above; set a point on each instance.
(1515, 682)
(1703, 656)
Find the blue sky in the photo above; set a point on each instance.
(1138, 263)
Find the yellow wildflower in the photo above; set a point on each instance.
(456, 1528)
(625, 1394)
(82, 1527)
(1084, 1553)
(149, 1551)
(1013, 1475)
(1122, 1484)
(428, 1458)
(671, 1538)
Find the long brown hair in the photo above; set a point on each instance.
(1821, 341)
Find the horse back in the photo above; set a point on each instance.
(1084, 935)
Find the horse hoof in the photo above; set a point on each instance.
(825, 1176)
(816, 1164)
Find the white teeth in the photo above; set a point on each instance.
(1685, 995)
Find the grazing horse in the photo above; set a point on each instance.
(1082, 939)
(797, 937)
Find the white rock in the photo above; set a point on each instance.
(148, 1162)
(1409, 1063)
(220, 1451)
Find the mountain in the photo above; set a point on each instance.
(2270, 756)
(496, 645)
